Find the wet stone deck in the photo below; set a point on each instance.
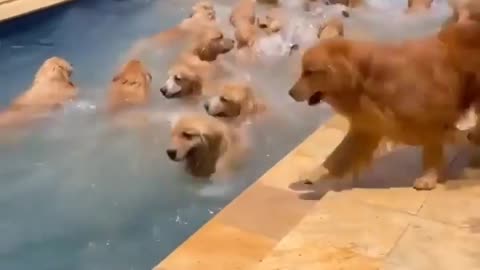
(376, 222)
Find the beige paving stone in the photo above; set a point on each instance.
(317, 256)
(454, 207)
(339, 222)
(266, 211)
(428, 245)
(15, 8)
(309, 155)
(218, 247)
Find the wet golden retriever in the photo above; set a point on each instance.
(196, 68)
(205, 144)
(203, 16)
(130, 87)
(243, 19)
(411, 93)
(417, 6)
(332, 28)
(234, 101)
(50, 90)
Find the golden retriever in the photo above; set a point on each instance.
(51, 89)
(332, 28)
(205, 144)
(196, 68)
(412, 93)
(272, 21)
(130, 87)
(416, 6)
(234, 101)
(243, 19)
(203, 16)
(464, 11)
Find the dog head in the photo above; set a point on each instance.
(196, 137)
(211, 43)
(465, 10)
(232, 101)
(332, 28)
(270, 23)
(54, 68)
(131, 86)
(419, 5)
(245, 34)
(203, 9)
(329, 69)
(182, 82)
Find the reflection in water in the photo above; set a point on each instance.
(78, 192)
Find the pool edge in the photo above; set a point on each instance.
(248, 228)
(10, 10)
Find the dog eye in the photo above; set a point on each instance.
(307, 72)
(223, 99)
(187, 135)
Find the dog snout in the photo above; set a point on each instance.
(172, 154)
(164, 90)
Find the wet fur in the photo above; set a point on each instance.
(50, 90)
(215, 148)
(130, 87)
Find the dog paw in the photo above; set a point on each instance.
(426, 182)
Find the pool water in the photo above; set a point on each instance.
(79, 193)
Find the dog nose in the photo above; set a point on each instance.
(163, 90)
(469, 136)
(206, 106)
(345, 14)
(172, 154)
(291, 93)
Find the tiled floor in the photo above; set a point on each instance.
(13, 8)
(376, 222)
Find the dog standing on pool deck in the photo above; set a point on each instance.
(206, 145)
(50, 90)
(411, 93)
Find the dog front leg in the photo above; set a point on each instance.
(433, 167)
(353, 154)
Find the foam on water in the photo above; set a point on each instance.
(81, 191)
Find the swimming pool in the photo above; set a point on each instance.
(77, 194)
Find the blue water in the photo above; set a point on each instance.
(76, 193)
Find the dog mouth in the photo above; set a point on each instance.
(315, 98)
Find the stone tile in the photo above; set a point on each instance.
(406, 199)
(317, 256)
(309, 155)
(339, 222)
(428, 245)
(266, 211)
(218, 247)
(454, 207)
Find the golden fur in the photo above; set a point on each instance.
(332, 28)
(464, 11)
(243, 19)
(272, 21)
(130, 87)
(51, 89)
(205, 144)
(415, 6)
(412, 93)
(234, 101)
(197, 67)
(203, 16)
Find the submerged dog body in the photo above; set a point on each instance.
(205, 144)
(412, 93)
(51, 89)
(130, 87)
